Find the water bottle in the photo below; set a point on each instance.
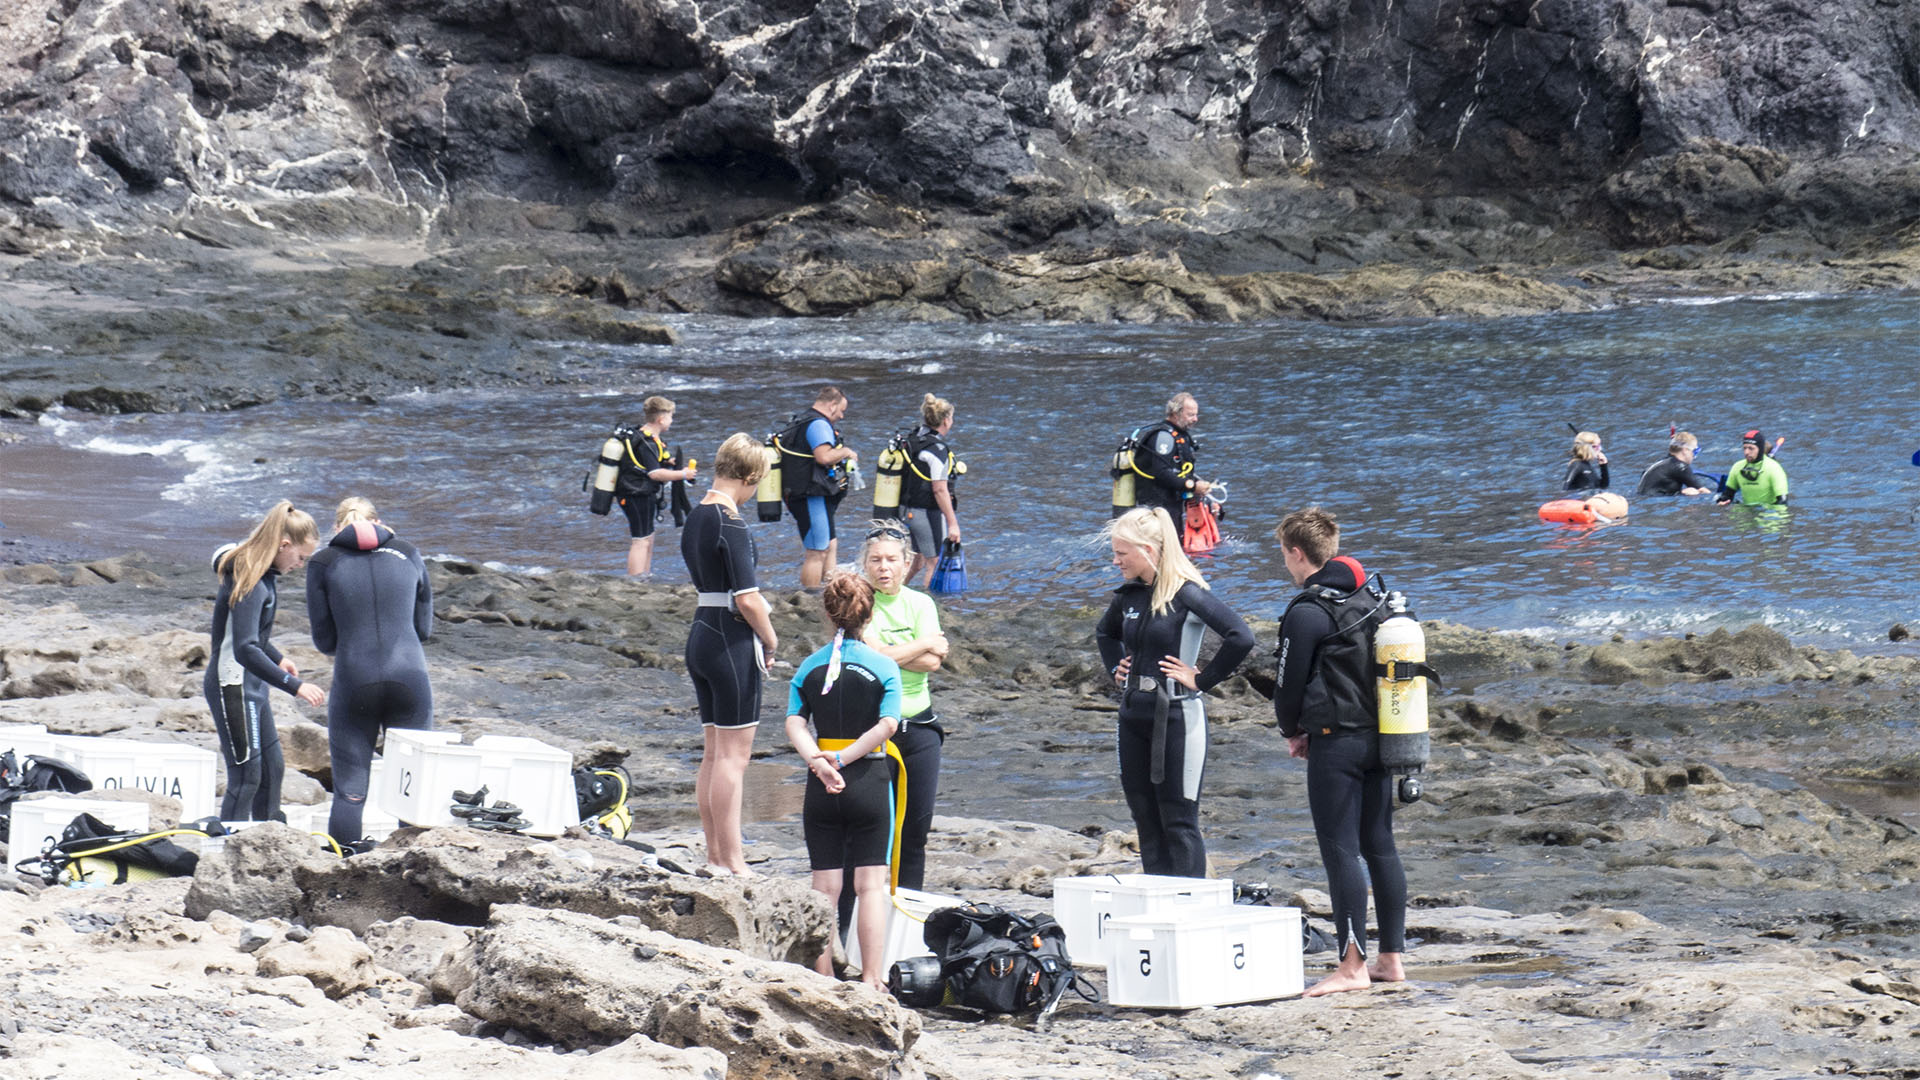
(853, 476)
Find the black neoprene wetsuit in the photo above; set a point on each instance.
(722, 652)
(1167, 734)
(244, 665)
(1166, 455)
(1669, 476)
(370, 607)
(1585, 474)
(1348, 791)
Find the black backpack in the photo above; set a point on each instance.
(36, 774)
(998, 962)
(94, 852)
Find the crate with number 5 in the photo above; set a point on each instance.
(1188, 959)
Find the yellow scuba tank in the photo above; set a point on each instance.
(888, 471)
(768, 493)
(606, 472)
(1400, 659)
(1122, 470)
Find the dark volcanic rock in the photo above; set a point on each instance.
(1249, 139)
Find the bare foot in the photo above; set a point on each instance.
(743, 871)
(1387, 969)
(719, 871)
(1339, 982)
(880, 986)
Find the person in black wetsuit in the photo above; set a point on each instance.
(850, 693)
(1324, 701)
(370, 607)
(245, 663)
(1586, 463)
(1166, 459)
(729, 646)
(1149, 639)
(646, 470)
(1673, 474)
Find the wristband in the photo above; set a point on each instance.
(836, 760)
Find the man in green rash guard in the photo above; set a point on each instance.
(1757, 479)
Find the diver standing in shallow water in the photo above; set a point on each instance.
(1324, 701)
(815, 466)
(370, 607)
(1673, 474)
(245, 663)
(1149, 640)
(1165, 456)
(1757, 478)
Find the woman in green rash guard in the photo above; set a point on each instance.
(906, 629)
(1757, 479)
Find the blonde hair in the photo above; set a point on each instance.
(656, 407)
(1680, 441)
(250, 560)
(1312, 532)
(741, 457)
(353, 508)
(935, 411)
(1176, 403)
(1152, 527)
(1585, 445)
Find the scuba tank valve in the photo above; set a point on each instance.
(1399, 656)
(768, 493)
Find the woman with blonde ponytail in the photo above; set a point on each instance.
(1150, 640)
(926, 488)
(245, 662)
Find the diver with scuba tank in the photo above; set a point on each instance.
(813, 467)
(635, 470)
(1158, 465)
(914, 483)
(1350, 696)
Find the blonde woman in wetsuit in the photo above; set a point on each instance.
(1149, 639)
(729, 646)
(245, 663)
(1586, 463)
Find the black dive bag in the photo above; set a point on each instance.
(993, 961)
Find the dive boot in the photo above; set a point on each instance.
(471, 798)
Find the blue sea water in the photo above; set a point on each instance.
(1433, 441)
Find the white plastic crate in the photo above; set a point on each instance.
(375, 821)
(1188, 959)
(533, 776)
(176, 770)
(24, 739)
(906, 926)
(35, 821)
(1084, 905)
(423, 770)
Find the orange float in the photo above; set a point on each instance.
(1594, 510)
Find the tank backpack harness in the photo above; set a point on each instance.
(990, 960)
(1372, 671)
(19, 778)
(601, 797)
(614, 469)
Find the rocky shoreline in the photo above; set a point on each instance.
(1614, 871)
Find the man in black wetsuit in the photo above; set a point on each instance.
(1166, 458)
(1324, 701)
(1673, 474)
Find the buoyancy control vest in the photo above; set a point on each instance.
(916, 485)
(1157, 449)
(645, 452)
(1340, 692)
(800, 473)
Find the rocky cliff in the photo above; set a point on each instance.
(829, 155)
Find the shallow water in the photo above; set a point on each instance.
(1433, 441)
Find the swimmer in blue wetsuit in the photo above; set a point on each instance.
(245, 663)
(729, 646)
(370, 607)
